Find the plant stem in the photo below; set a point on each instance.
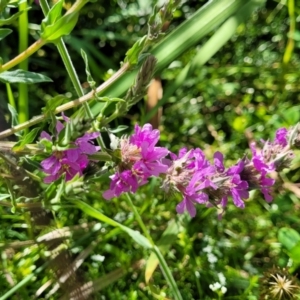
(10, 96)
(22, 56)
(139, 219)
(63, 51)
(291, 34)
(66, 106)
(167, 273)
(77, 6)
(163, 264)
(23, 109)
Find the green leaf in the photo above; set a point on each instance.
(288, 237)
(59, 192)
(135, 235)
(13, 17)
(294, 253)
(90, 79)
(21, 76)
(14, 118)
(50, 192)
(167, 239)
(61, 27)
(54, 192)
(27, 139)
(64, 136)
(4, 33)
(46, 144)
(4, 196)
(53, 15)
(132, 55)
(118, 129)
(53, 103)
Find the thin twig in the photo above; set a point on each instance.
(66, 106)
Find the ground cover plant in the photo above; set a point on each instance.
(149, 149)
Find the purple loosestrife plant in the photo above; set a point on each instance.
(201, 182)
(274, 156)
(71, 161)
(140, 159)
(192, 176)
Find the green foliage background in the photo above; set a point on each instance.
(243, 94)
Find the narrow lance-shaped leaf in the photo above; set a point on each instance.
(53, 103)
(167, 239)
(90, 79)
(14, 118)
(21, 76)
(61, 27)
(27, 139)
(135, 235)
(53, 15)
(12, 18)
(4, 32)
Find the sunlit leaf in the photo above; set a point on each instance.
(135, 235)
(26, 139)
(53, 15)
(21, 76)
(132, 54)
(288, 237)
(61, 27)
(167, 239)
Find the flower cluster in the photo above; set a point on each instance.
(71, 161)
(274, 156)
(190, 174)
(201, 182)
(140, 159)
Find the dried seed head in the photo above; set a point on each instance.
(279, 284)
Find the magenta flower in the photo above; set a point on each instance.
(68, 166)
(85, 143)
(199, 182)
(140, 159)
(273, 157)
(123, 182)
(71, 161)
(191, 175)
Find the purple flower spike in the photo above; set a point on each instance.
(71, 161)
(144, 134)
(259, 162)
(140, 159)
